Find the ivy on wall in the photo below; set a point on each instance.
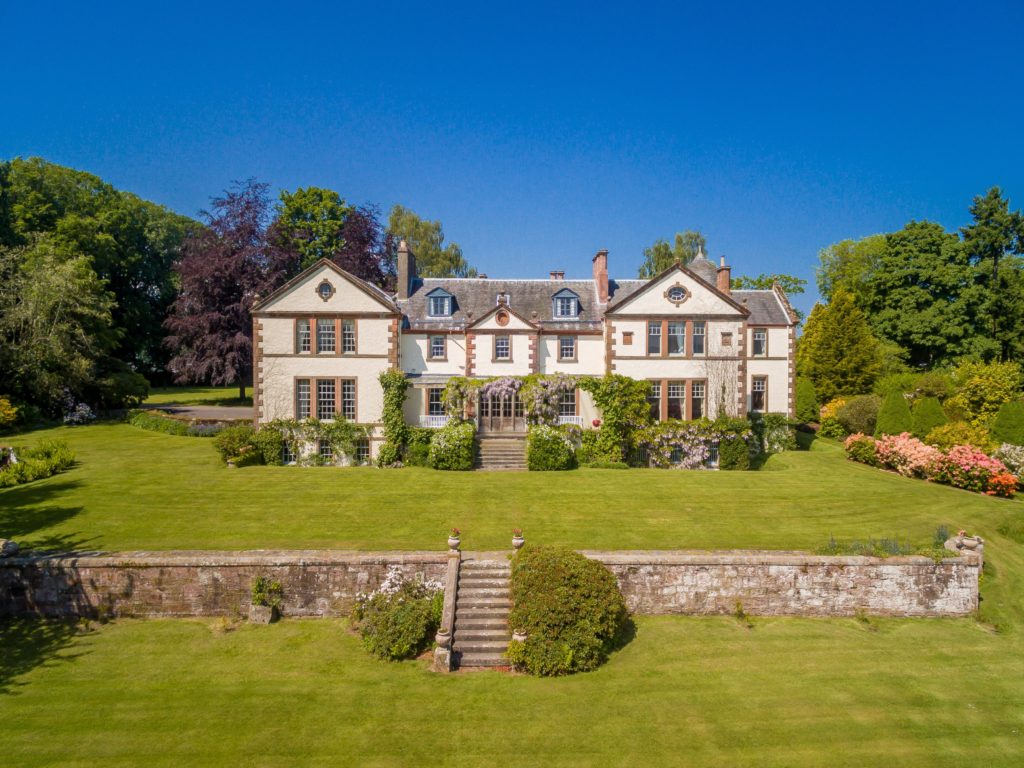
(624, 410)
(394, 384)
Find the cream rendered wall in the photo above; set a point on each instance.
(589, 356)
(777, 372)
(520, 364)
(701, 301)
(416, 349)
(513, 324)
(347, 298)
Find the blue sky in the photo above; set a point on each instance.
(540, 133)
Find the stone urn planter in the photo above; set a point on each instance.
(263, 614)
(519, 636)
(454, 539)
(518, 541)
(971, 542)
(443, 638)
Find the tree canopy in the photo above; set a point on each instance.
(662, 255)
(426, 239)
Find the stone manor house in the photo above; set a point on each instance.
(321, 341)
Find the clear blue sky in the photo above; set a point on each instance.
(540, 133)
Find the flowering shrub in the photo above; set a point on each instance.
(76, 412)
(966, 467)
(689, 444)
(550, 448)
(861, 447)
(541, 396)
(1012, 456)
(1003, 484)
(397, 619)
(830, 424)
(454, 446)
(907, 455)
(8, 413)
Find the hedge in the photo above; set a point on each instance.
(569, 607)
(44, 460)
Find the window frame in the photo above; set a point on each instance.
(303, 338)
(754, 332)
(763, 380)
(703, 336)
(676, 329)
(299, 415)
(349, 332)
(680, 385)
(654, 400)
(329, 332)
(435, 407)
(508, 344)
(568, 404)
(430, 346)
(654, 331)
(703, 399)
(446, 303)
(348, 399)
(562, 357)
(572, 303)
(322, 400)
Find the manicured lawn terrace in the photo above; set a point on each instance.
(134, 489)
(685, 691)
(198, 396)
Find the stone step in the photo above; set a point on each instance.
(482, 660)
(481, 612)
(473, 584)
(483, 601)
(482, 622)
(463, 634)
(498, 593)
(496, 571)
(480, 646)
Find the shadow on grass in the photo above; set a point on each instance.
(29, 643)
(26, 515)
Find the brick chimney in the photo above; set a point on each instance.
(557, 274)
(406, 270)
(601, 275)
(724, 277)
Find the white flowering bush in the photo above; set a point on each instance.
(1013, 457)
(551, 448)
(689, 444)
(397, 620)
(454, 446)
(76, 412)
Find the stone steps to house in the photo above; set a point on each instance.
(501, 453)
(482, 607)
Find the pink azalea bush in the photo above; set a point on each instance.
(962, 466)
(905, 454)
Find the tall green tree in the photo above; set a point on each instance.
(791, 284)
(55, 322)
(662, 255)
(837, 350)
(130, 243)
(426, 239)
(311, 221)
(995, 243)
(921, 295)
(849, 264)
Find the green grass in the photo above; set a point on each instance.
(685, 691)
(197, 396)
(134, 489)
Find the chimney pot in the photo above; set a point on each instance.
(406, 270)
(601, 275)
(557, 274)
(724, 282)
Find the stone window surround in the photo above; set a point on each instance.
(662, 396)
(575, 349)
(340, 383)
(443, 357)
(494, 349)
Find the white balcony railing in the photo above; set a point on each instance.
(577, 420)
(434, 422)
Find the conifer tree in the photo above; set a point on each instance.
(894, 417)
(926, 416)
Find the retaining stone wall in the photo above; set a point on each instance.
(794, 583)
(315, 583)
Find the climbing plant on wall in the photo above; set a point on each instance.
(394, 384)
(624, 410)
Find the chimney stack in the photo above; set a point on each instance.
(557, 275)
(601, 275)
(406, 270)
(724, 277)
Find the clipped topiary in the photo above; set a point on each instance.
(926, 416)
(1008, 426)
(570, 608)
(860, 414)
(894, 416)
(733, 453)
(807, 408)
(549, 449)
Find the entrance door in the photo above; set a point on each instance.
(500, 414)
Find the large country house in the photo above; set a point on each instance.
(321, 341)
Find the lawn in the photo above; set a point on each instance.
(685, 691)
(197, 396)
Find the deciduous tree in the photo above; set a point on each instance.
(662, 255)
(426, 239)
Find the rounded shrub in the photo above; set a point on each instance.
(861, 448)
(806, 401)
(570, 608)
(829, 420)
(926, 416)
(549, 449)
(733, 453)
(234, 441)
(1008, 426)
(961, 433)
(860, 414)
(398, 619)
(454, 446)
(894, 415)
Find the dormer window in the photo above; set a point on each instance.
(439, 303)
(566, 305)
(504, 298)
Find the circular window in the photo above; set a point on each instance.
(676, 293)
(502, 318)
(325, 290)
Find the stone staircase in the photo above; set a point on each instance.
(482, 606)
(501, 452)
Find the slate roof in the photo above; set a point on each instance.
(532, 299)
